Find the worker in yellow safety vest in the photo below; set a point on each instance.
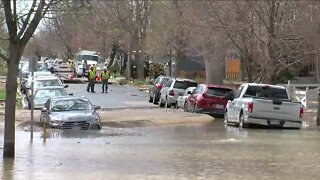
(91, 80)
(105, 75)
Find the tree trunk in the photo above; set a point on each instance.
(10, 103)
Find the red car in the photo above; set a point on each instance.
(208, 98)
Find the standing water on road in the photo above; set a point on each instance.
(209, 151)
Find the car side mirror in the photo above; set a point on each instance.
(44, 110)
(97, 107)
(65, 86)
(189, 92)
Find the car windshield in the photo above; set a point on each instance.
(217, 91)
(71, 105)
(41, 67)
(89, 58)
(184, 84)
(46, 82)
(267, 92)
(47, 93)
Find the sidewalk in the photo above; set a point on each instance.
(126, 118)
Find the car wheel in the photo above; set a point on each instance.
(161, 104)
(167, 105)
(242, 124)
(185, 108)
(226, 121)
(150, 99)
(176, 105)
(195, 108)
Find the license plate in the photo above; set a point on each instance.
(275, 122)
(219, 106)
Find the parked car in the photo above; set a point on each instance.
(43, 81)
(27, 82)
(42, 94)
(25, 70)
(154, 91)
(263, 104)
(208, 98)
(70, 113)
(182, 100)
(172, 89)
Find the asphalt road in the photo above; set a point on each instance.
(119, 96)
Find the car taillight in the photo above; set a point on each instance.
(250, 107)
(159, 86)
(301, 112)
(171, 93)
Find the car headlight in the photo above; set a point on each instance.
(96, 119)
(54, 118)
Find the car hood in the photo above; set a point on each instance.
(75, 115)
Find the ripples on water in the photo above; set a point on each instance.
(209, 151)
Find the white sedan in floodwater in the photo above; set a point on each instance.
(182, 99)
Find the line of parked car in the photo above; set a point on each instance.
(59, 109)
(251, 103)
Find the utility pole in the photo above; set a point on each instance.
(170, 64)
(128, 60)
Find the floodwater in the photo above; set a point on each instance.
(196, 151)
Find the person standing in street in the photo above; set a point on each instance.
(105, 75)
(91, 80)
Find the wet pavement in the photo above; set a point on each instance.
(202, 151)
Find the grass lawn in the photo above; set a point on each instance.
(2, 93)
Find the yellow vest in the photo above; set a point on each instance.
(105, 75)
(92, 74)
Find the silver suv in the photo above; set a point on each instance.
(174, 88)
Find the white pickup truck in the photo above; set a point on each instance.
(263, 104)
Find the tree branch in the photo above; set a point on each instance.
(11, 25)
(26, 21)
(4, 57)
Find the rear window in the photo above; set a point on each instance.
(217, 91)
(164, 80)
(184, 84)
(267, 92)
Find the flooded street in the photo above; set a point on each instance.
(205, 151)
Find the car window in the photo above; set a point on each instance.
(47, 93)
(184, 84)
(189, 89)
(266, 92)
(168, 84)
(217, 91)
(198, 90)
(71, 105)
(157, 80)
(164, 80)
(238, 92)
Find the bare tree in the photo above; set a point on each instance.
(20, 28)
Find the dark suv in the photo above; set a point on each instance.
(154, 91)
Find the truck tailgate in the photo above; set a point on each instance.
(276, 109)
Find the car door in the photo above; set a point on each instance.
(193, 97)
(233, 103)
(164, 90)
(152, 88)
